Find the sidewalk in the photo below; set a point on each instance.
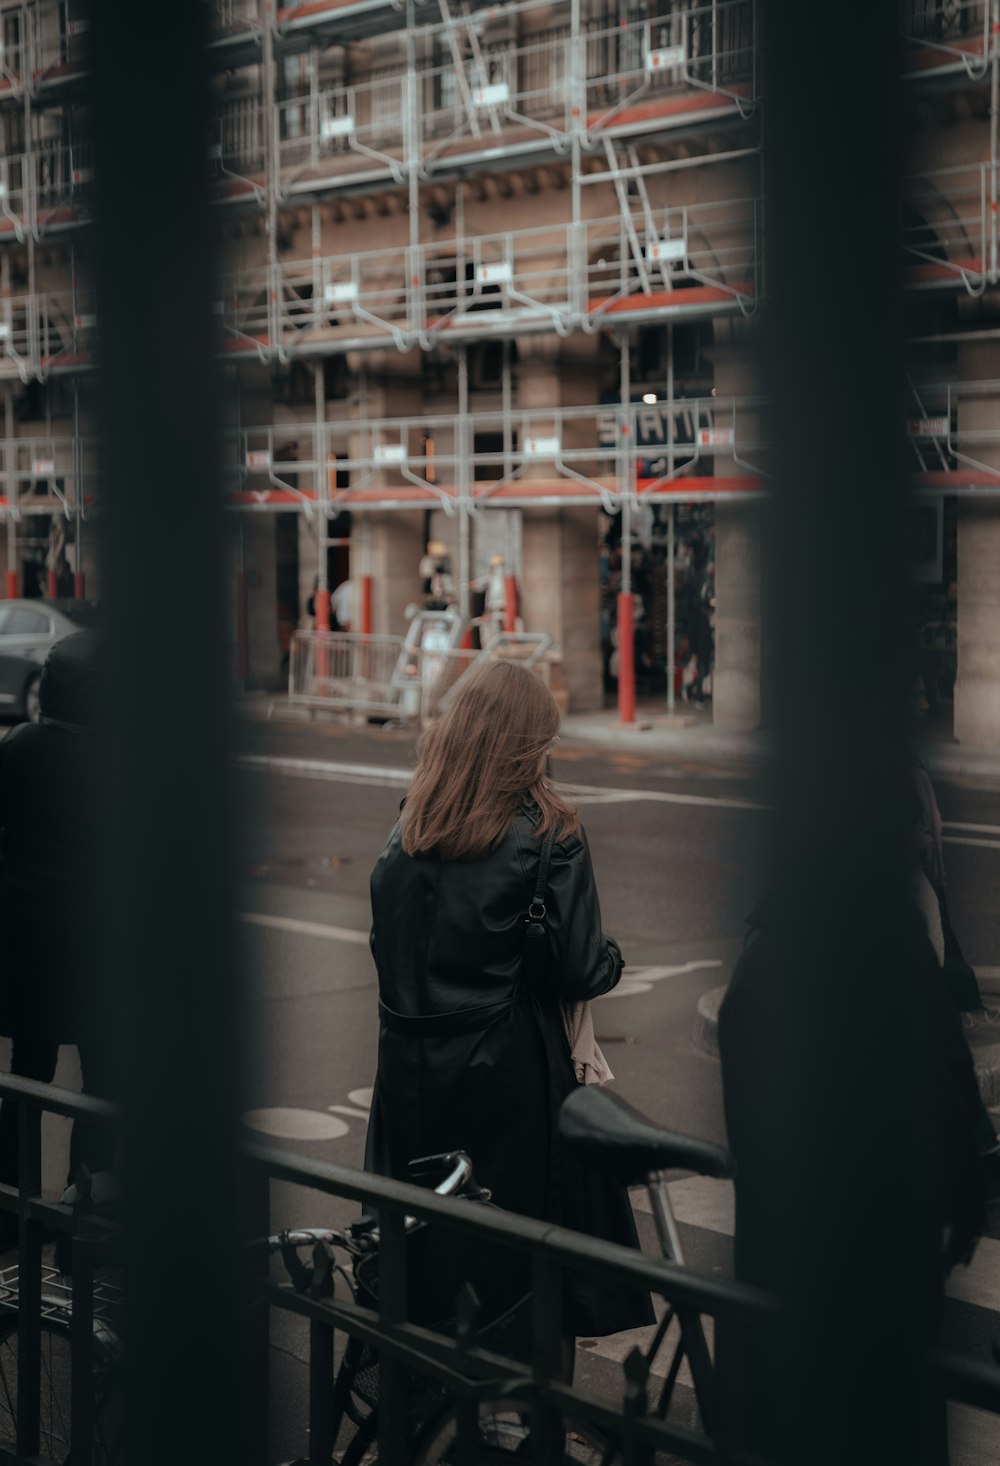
(685, 735)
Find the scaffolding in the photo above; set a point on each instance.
(632, 121)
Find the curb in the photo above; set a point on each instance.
(705, 1036)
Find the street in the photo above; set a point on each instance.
(678, 850)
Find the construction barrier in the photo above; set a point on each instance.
(384, 676)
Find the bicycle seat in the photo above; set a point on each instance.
(613, 1140)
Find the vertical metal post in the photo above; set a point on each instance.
(365, 602)
(322, 529)
(392, 1294)
(843, 784)
(81, 1329)
(464, 480)
(671, 609)
(13, 576)
(671, 525)
(267, 107)
(994, 107)
(29, 1337)
(170, 1003)
(626, 485)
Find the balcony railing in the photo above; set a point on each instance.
(669, 263)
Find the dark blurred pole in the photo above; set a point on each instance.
(858, 1241)
(168, 829)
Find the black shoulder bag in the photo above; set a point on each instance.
(535, 938)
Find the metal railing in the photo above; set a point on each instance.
(346, 672)
(389, 676)
(947, 35)
(503, 459)
(59, 1390)
(471, 1373)
(664, 263)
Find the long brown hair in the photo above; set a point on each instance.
(485, 758)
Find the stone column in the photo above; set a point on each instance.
(261, 568)
(977, 683)
(560, 590)
(736, 679)
(397, 544)
(392, 388)
(561, 594)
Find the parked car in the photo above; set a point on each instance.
(28, 632)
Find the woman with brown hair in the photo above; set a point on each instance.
(473, 1053)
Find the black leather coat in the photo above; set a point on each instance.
(472, 1057)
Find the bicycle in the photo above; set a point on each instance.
(613, 1140)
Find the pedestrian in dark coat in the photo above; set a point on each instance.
(473, 1055)
(48, 812)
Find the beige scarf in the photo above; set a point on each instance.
(589, 1063)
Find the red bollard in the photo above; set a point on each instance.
(365, 626)
(322, 628)
(465, 644)
(13, 585)
(80, 586)
(626, 660)
(322, 610)
(51, 585)
(510, 603)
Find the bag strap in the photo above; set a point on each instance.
(536, 911)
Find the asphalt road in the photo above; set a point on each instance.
(679, 849)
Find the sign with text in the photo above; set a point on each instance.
(259, 458)
(659, 251)
(491, 96)
(927, 427)
(664, 57)
(716, 437)
(498, 273)
(43, 467)
(542, 447)
(337, 127)
(390, 453)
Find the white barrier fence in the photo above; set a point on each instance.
(382, 676)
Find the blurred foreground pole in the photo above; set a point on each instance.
(168, 862)
(856, 1235)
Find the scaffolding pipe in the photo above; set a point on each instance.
(464, 481)
(365, 579)
(626, 634)
(322, 578)
(994, 103)
(12, 570)
(671, 526)
(671, 612)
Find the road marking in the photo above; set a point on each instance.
(289, 1124)
(304, 928)
(976, 829)
(316, 768)
(960, 840)
(640, 979)
(345, 1110)
(374, 774)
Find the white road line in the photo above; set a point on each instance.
(397, 778)
(976, 829)
(960, 840)
(304, 928)
(315, 768)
